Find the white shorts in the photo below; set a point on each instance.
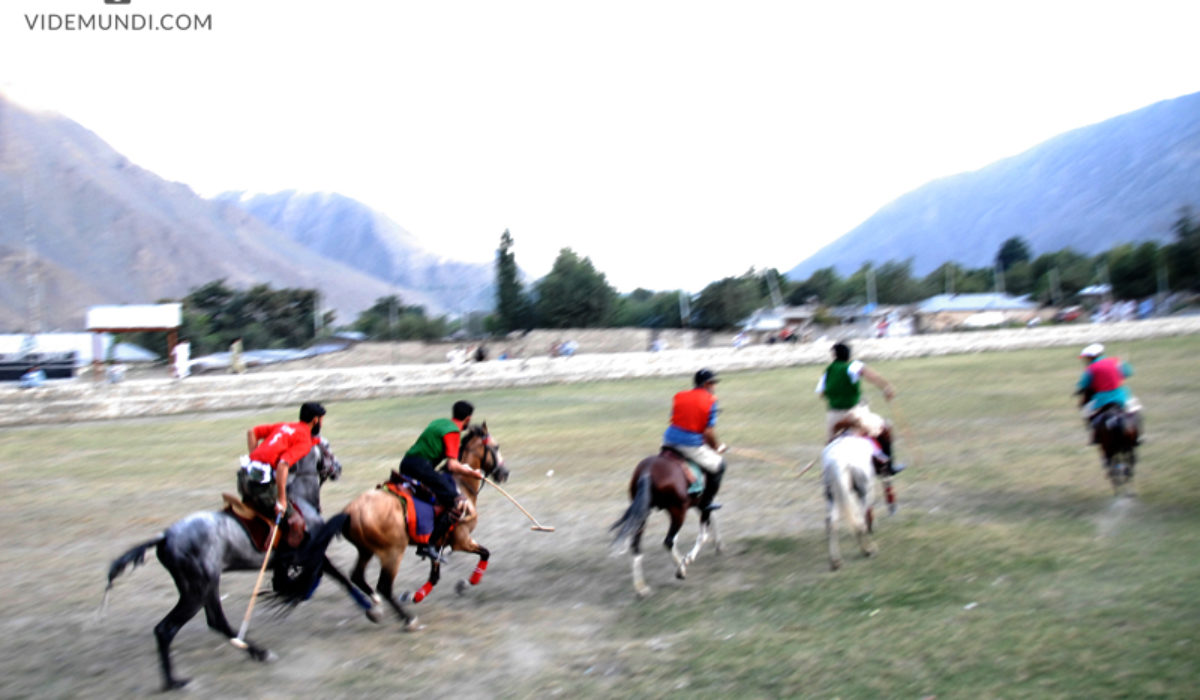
(872, 423)
(704, 456)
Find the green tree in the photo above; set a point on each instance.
(390, 319)
(574, 294)
(946, 279)
(894, 283)
(819, 285)
(725, 303)
(1183, 254)
(1059, 276)
(643, 308)
(215, 314)
(1012, 251)
(512, 305)
(1133, 271)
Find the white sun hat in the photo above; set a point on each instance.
(1093, 350)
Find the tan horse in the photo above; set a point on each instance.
(377, 527)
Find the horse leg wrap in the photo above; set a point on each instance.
(422, 592)
(477, 575)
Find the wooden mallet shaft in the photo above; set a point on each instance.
(536, 525)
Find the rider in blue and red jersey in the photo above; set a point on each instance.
(1103, 384)
(692, 432)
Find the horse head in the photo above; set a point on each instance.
(328, 468)
(490, 459)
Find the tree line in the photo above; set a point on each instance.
(574, 294)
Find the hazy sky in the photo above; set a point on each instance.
(673, 143)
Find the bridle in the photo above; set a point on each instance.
(491, 451)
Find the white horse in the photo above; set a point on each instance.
(849, 477)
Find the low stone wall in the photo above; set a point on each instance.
(83, 400)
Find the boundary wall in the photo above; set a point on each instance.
(84, 400)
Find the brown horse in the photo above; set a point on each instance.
(1116, 431)
(659, 481)
(377, 527)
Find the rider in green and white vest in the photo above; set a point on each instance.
(841, 386)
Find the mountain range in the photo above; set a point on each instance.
(1123, 180)
(80, 225)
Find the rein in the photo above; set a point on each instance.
(487, 450)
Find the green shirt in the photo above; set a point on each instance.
(841, 389)
(432, 442)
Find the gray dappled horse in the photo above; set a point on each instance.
(196, 549)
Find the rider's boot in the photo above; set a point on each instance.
(710, 489)
(888, 466)
(441, 526)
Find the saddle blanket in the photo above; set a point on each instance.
(419, 513)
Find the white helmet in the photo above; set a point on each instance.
(1093, 350)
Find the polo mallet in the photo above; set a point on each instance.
(536, 525)
(906, 429)
(240, 640)
(763, 457)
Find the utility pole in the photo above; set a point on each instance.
(773, 287)
(999, 278)
(31, 266)
(871, 287)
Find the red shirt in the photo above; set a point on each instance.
(1106, 374)
(692, 410)
(288, 442)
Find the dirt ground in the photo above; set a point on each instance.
(547, 619)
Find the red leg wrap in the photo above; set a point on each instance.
(478, 574)
(890, 493)
(422, 592)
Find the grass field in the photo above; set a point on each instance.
(1010, 570)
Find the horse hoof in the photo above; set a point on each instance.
(176, 683)
(681, 574)
(835, 564)
(413, 626)
(375, 614)
(461, 587)
(643, 592)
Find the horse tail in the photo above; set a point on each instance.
(840, 477)
(135, 557)
(296, 577)
(637, 512)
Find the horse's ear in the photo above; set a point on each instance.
(484, 426)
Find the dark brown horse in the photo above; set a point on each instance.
(659, 481)
(377, 527)
(1117, 431)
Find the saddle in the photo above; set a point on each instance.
(1110, 416)
(258, 526)
(693, 473)
(420, 506)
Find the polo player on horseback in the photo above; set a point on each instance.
(692, 432)
(1103, 385)
(441, 440)
(841, 386)
(273, 449)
